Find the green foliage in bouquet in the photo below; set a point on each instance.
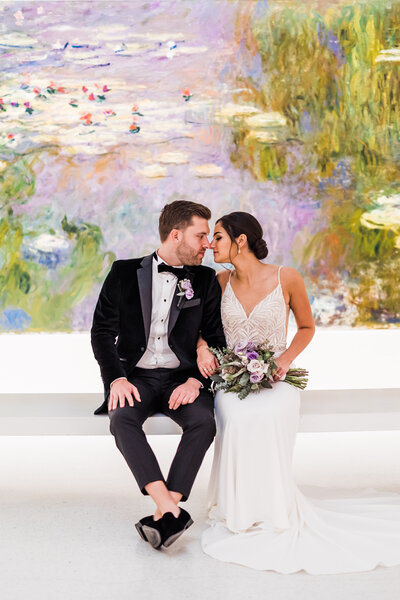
(249, 368)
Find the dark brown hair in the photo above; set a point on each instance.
(178, 215)
(239, 222)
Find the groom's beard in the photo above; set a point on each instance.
(188, 256)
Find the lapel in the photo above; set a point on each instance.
(175, 309)
(145, 279)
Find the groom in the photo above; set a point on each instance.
(146, 324)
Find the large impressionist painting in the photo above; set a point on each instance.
(110, 109)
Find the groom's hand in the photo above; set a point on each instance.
(120, 391)
(186, 393)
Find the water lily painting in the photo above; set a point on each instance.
(110, 109)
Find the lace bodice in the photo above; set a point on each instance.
(267, 320)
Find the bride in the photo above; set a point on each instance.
(258, 517)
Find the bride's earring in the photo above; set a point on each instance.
(238, 249)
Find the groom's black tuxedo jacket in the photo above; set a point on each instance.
(121, 321)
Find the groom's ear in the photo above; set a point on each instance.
(175, 235)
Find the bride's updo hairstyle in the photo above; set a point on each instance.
(240, 222)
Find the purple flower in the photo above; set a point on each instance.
(240, 347)
(256, 377)
(252, 355)
(189, 293)
(185, 290)
(251, 346)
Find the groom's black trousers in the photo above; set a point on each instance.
(197, 421)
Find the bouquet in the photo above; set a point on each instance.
(248, 368)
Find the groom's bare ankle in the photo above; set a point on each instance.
(175, 511)
(163, 499)
(169, 507)
(176, 496)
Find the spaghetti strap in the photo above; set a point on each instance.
(279, 275)
(230, 274)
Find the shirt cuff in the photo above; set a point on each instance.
(118, 378)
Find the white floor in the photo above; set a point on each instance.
(68, 506)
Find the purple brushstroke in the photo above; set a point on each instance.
(118, 198)
(327, 38)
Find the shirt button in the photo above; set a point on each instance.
(165, 300)
(158, 338)
(167, 280)
(142, 348)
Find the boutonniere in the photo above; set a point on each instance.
(185, 290)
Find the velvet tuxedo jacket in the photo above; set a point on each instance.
(122, 318)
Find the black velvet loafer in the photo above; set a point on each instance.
(173, 527)
(152, 531)
(139, 526)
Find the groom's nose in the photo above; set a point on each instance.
(206, 243)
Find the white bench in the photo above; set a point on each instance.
(72, 414)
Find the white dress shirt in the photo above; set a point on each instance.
(158, 353)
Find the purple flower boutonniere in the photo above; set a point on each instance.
(185, 290)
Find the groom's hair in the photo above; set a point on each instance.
(178, 215)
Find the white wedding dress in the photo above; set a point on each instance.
(257, 515)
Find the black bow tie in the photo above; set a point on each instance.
(179, 272)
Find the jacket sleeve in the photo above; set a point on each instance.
(211, 325)
(105, 328)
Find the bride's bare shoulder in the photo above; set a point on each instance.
(289, 274)
(291, 280)
(223, 277)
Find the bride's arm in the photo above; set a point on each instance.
(206, 361)
(295, 293)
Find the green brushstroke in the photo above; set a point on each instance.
(324, 75)
(47, 296)
(352, 101)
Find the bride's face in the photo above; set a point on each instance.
(221, 245)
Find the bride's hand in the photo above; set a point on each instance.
(283, 367)
(206, 361)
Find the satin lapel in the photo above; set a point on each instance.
(145, 280)
(174, 312)
(175, 309)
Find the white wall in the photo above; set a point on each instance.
(336, 358)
